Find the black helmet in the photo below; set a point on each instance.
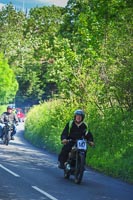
(9, 107)
(79, 112)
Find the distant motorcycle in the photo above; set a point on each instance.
(8, 129)
(75, 164)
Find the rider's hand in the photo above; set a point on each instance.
(64, 141)
(91, 144)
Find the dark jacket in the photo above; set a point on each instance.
(76, 132)
(8, 117)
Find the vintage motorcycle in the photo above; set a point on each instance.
(75, 164)
(8, 129)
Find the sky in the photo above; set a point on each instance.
(23, 4)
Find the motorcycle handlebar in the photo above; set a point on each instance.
(91, 143)
(8, 123)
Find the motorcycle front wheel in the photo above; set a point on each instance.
(79, 171)
(6, 138)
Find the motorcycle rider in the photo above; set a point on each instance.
(77, 130)
(9, 117)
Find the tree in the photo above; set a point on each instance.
(8, 83)
(98, 32)
(11, 31)
(25, 45)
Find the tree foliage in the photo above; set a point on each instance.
(82, 51)
(8, 83)
(98, 35)
(25, 46)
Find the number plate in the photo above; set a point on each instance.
(81, 144)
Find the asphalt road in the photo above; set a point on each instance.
(29, 173)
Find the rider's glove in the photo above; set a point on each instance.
(91, 144)
(64, 141)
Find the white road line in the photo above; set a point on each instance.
(45, 193)
(14, 174)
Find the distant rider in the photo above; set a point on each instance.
(77, 130)
(9, 117)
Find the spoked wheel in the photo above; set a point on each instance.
(80, 169)
(6, 138)
(5, 141)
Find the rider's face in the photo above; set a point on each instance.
(9, 110)
(78, 118)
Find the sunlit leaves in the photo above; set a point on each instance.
(8, 83)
